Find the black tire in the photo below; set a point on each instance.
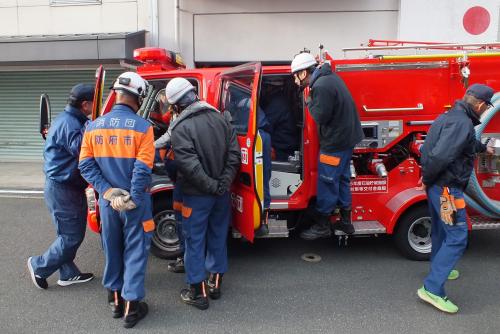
(413, 234)
(165, 242)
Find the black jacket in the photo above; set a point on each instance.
(332, 107)
(450, 147)
(207, 154)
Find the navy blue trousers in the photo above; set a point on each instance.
(448, 242)
(334, 181)
(126, 238)
(68, 208)
(205, 225)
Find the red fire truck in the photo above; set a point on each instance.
(398, 97)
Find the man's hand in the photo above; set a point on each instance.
(112, 193)
(123, 203)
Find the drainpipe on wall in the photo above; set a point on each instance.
(154, 40)
(176, 26)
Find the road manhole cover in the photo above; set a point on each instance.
(311, 257)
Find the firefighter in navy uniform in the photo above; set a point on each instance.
(65, 192)
(447, 162)
(207, 158)
(339, 129)
(116, 159)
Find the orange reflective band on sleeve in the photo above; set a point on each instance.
(148, 225)
(459, 203)
(329, 160)
(86, 149)
(186, 211)
(177, 206)
(146, 152)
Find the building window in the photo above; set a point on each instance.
(74, 2)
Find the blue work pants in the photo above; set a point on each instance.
(68, 208)
(334, 181)
(448, 241)
(126, 238)
(205, 225)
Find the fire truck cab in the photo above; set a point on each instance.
(397, 97)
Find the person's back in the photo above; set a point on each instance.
(333, 109)
(117, 137)
(208, 134)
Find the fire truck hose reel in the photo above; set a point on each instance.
(475, 194)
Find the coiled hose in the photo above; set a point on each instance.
(475, 196)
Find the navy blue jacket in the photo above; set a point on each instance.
(450, 147)
(333, 109)
(62, 148)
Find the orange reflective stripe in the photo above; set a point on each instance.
(177, 206)
(170, 154)
(148, 225)
(86, 149)
(459, 203)
(146, 152)
(186, 211)
(329, 160)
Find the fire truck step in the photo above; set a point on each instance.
(366, 227)
(484, 223)
(277, 229)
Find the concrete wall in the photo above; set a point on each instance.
(241, 30)
(38, 17)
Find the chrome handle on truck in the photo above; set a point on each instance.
(419, 106)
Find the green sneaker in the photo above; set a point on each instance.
(443, 304)
(454, 274)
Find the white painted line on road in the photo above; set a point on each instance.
(14, 191)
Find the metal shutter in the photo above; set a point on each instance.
(19, 107)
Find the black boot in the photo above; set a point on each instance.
(177, 266)
(319, 230)
(214, 283)
(195, 295)
(115, 301)
(345, 224)
(134, 312)
(264, 227)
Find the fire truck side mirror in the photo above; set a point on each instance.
(45, 115)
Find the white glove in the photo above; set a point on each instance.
(123, 203)
(111, 193)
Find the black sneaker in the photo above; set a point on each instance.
(177, 266)
(196, 296)
(39, 282)
(134, 312)
(81, 278)
(315, 232)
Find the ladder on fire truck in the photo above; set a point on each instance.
(395, 45)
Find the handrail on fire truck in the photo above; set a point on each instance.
(379, 45)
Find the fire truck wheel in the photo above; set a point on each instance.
(413, 234)
(165, 242)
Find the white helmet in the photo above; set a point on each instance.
(132, 83)
(302, 61)
(176, 89)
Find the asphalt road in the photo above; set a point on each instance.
(366, 287)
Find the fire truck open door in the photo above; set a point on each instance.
(238, 94)
(100, 75)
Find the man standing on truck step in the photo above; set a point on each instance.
(116, 159)
(339, 130)
(65, 192)
(207, 158)
(447, 163)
